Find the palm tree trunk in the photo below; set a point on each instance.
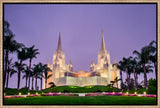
(30, 61)
(121, 78)
(41, 83)
(155, 69)
(5, 70)
(135, 81)
(45, 83)
(36, 84)
(32, 82)
(145, 77)
(19, 75)
(26, 80)
(127, 79)
(7, 77)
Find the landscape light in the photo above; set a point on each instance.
(19, 93)
(36, 93)
(144, 93)
(4, 94)
(113, 92)
(28, 93)
(127, 93)
(135, 92)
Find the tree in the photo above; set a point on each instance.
(126, 65)
(134, 67)
(153, 56)
(142, 58)
(46, 76)
(121, 68)
(112, 83)
(116, 81)
(38, 69)
(18, 68)
(109, 85)
(10, 45)
(33, 76)
(9, 70)
(31, 53)
(21, 54)
(26, 75)
(52, 85)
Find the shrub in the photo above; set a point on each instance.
(152, 86)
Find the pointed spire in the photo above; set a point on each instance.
(92, 62)
(47, 63)
(115, 61)
(103, 42)
(70, 62)
(59, 47)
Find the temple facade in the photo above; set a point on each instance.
(100, 74)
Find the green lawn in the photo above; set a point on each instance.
(76, 100)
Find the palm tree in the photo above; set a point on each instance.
(31, 53)
(109, 85)
(46, 76)
(153, 56)
(120, 67)
(10, 69)
(21, 54)
(142, 58)
(10, 45)
(136, 68)
(26, 75)
(52, 85)
(18, 68)
(38, 73)
(126, 65)
(41, 70)
(112, 83)
(33, 76)
(116, 81)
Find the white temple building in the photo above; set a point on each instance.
(100, 74)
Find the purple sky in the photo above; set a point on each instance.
(127, 27)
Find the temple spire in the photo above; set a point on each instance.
(59, 47)
(47, 63)
(92, 62)
(70, 62)
(103, 42)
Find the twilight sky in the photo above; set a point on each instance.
(127, 27)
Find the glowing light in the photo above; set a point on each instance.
(144, 93)
(127, 93)
(113, 92)
(19, 93)
(28, 93)
(4, 94)
(36, 93)
(135, 92)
